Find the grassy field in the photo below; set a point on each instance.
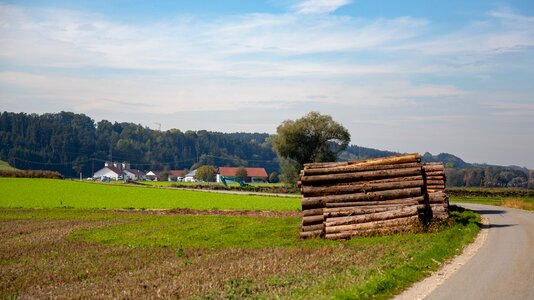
(5, 166)
(66, 253)
(46, 193)
(526, 203)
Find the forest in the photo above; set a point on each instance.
(73, 143)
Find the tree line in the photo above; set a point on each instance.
(74, 143)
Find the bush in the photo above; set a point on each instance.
(31, 174)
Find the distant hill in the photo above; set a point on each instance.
(5, 166)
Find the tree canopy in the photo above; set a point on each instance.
(206, 173)
(312, 138)
(241, 173)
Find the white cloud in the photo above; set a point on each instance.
(319, 6)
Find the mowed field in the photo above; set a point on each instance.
(57, 241)
(49, 193)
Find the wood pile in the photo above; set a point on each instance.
(434, 174)
(345, 199)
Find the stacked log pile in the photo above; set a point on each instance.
(346, 199)
(434, 174)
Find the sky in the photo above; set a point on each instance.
(409, 76)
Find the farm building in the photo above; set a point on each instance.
(190, 177)
(177, 175)
(118, 171)
(253, 174)
(151, 175)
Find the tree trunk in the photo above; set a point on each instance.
(372, 196)
(437, 197)
(358, 168)
(359, 176)
(312, 212)
(312, 219)
(405, 221)
(414, 200)
(315, 227)
(393, 214)
(369, 162)
(362, 210)
(363, 187)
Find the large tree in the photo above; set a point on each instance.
(206, 173)
(312, 138)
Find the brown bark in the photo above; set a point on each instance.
(362, 210)
(372, 196)
(415, 157)
(359, 176)
(442, 178)
(312, 212)
(312, 219)
(363, 187)
(409, 200)
(434, 173)
(437, 197)
(435, 187)
(435, 182)
(358, 168)
(433, 168)
(312, 227)
(394, 214)
(373, 225)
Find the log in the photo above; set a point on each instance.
(433, 168)
(437, 197)
(362, 210)
(409, 200)
(311, 234)
(442, 178)
(358, 168)
(366, 175)
(313, 227)
(435, 182)
(308, 220)
(415, 157)
(363, 187)
(370, 232)
(434, 173)
(393, 214)
(312, 212)
(372, 196)
(434, 187)
(373, 225)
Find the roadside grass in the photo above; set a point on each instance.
(69, 253)
(526, 203)
(45, 193)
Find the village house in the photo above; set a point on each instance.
(253, 174)
(119, 171)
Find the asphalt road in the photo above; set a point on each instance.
(504, 266)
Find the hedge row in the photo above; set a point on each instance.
(31, 174)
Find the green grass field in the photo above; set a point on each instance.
(86, 253)
(46, 193)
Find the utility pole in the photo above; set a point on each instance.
(159, 125)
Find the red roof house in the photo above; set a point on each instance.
(253, 174)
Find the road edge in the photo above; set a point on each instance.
(423, 288)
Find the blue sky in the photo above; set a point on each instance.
(409, 76)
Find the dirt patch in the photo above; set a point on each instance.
(187, 211)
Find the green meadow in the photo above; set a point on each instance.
(49, 193)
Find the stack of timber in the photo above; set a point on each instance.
(345, 199)
(434, 174)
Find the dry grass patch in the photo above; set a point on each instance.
(519, 203)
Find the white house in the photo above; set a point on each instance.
(118, 171)
(190, 177)
(150, 175)
(109, 171)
